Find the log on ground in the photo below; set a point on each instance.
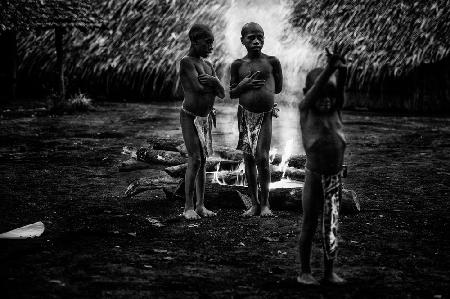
(231, 177)
(165, 143)
(225, 196)
(228, 153)
(216, 196)
(178, 171)
(149, 155)
(132, 164)
(146, 184)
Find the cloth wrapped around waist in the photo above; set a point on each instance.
(249, 124)
(203, 126)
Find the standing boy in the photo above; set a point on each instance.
(200, 86)
(255, 79)
(324, 143)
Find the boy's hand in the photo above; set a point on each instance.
(207, 80)
(337, 58)
(250, 82)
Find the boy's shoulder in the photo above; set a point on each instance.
(186, 60)
(191, 60)
(271, 58)
(238, 62)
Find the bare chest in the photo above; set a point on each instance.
(248, 68)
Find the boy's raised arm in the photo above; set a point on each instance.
(189, 76)
(314, 92)
(277, 75)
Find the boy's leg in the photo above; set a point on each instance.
(262, 162)
(193, 148)
(312, 200)
(200, 191)
(250, 173)
(329, 274)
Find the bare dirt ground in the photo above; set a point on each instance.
(62, 170)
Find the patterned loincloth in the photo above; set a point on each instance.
(203, 126)
(332, 195)
(249, 124)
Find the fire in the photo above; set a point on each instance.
(237, 175)
(216, 178)
(288, 149)
(285, 183)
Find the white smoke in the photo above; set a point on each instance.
(297, 56)
(291, 47)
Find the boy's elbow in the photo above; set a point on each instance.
(221, 94)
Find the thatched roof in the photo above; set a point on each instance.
(23, 15)
(137, 51)
(390, 37)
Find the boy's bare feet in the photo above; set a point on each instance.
(204, 212)
(266, 212)
(333, 278)
(253, 211)
(307, 279)
(191, 215)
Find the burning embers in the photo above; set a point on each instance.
(282, 175)
(226, 184)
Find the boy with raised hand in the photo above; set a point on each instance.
(200, 86)
(324, 144)
(255, 79)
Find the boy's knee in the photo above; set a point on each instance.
(262, 159)
(196, 161)
(309, 225)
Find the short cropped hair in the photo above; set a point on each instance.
(311, 78)
(245, 28)
(199, 31)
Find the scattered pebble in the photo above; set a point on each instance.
(58, 282)
(270, 239)
(154, 222)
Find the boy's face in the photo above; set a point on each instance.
(325, 104)
(253, 39)
(328, 99)
(204, 46)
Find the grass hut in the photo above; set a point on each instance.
(135, 54)
(25, 16)
(401, 49)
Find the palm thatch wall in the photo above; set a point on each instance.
(400, 55)
(25, 15)
(401, 48)
(133, 56)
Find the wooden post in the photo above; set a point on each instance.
(59, 32)
(8, 64)
(13, 65)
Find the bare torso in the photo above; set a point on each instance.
(262, 99)
(323, 140)
(198, 103)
